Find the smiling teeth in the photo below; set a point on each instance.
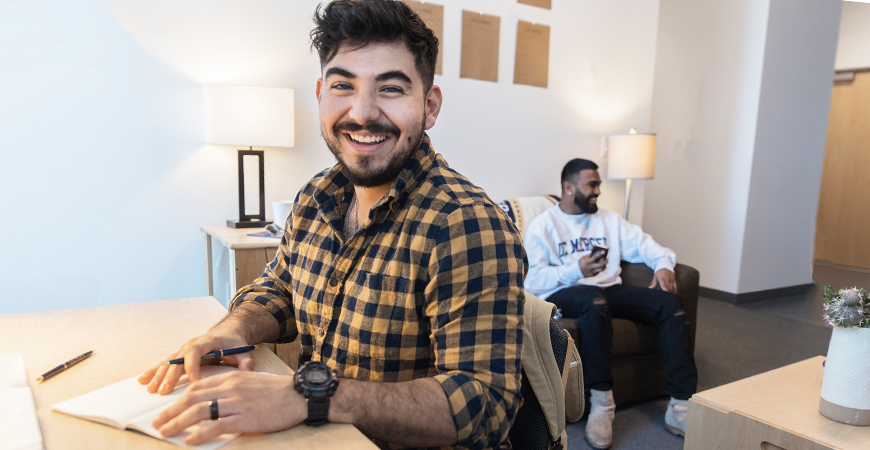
(368, 139)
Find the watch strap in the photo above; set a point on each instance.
(318, 410)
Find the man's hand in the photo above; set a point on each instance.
(164, 377)
(247, 402)
(666, 279)
(592, 265)
(246, 324)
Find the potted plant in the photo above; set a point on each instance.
(846, 382)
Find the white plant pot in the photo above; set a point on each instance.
(846, 383)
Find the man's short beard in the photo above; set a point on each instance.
(364, 177)
(583, 203)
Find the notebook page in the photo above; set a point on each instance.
(18, 424)
(143, 424)
(128, 404)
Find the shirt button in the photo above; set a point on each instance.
(321, 333)
(333, 282)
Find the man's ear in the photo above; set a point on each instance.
(566, 188)
(318, 88)
(434, 98)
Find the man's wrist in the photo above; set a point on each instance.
(341, 410)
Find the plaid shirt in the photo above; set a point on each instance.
(430, 286)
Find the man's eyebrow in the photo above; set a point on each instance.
(392, 75)
(338, 71)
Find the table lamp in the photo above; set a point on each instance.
(249, 116)
(631, 156)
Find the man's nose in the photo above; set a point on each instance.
(364, 109)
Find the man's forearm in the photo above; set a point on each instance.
(411, 413)
(252, 322)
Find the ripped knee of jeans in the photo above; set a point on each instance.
(681, 314)
(601, 305)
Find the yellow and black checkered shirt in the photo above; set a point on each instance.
(430, 286)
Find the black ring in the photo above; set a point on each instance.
(213, 409)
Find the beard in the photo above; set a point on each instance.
(583, 203)
(366, 174)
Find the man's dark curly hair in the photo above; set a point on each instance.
(359, 22)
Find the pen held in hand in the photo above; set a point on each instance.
(64, 366)
(216, 354)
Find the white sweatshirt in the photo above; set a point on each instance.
(555, 242)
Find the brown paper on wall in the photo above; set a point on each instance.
(539, 3)
(433, 17)
(479, 46)
(533, 54)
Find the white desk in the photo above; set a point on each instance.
(127, 340)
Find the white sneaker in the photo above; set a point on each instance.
(599, 424)
(675, 418)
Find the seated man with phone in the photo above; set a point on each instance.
(567, 246)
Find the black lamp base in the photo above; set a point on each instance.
(247, 223)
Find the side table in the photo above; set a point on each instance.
(770, 411)
(245, 258)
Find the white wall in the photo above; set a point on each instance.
(106, 178)
(853, 47)
(789, 144)
(705, 106)
(740, 103)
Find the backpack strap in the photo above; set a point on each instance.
(540, 365)
(572, 383)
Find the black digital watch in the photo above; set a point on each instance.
(316, 382)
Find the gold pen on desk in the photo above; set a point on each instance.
(65, 366)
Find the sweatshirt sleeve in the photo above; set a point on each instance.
(546, 272)
(638, 246)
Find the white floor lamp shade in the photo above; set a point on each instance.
(631, 156)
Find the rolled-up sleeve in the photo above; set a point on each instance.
(475, 304)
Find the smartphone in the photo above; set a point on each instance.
(596, 249)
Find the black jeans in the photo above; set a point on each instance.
(649, 306)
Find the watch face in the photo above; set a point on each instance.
(317, 376)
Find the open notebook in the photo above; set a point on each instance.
(128, 404)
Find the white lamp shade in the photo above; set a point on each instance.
(631, 156)
(249, 116)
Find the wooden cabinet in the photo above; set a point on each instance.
(770, 411)
(234, 260)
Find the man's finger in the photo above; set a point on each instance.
(170, 380)
(214, 428)
(192, 361)
(190, 415)
(191, 399)
(148, 375)
(654, 283)
(243, 361)
(159, 375)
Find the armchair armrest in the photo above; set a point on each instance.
(638, 274)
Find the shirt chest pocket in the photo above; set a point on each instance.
(385, 319)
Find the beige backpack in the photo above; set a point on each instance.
(552, 392)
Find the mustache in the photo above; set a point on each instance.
(369, 127)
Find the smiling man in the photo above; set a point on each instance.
(574, 254)
(403, 281)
